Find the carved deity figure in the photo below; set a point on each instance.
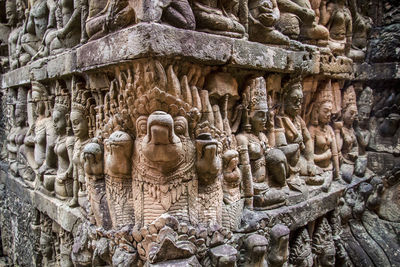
(40, 139)
(118, 157)
(66, 241)
(47, 247)
(362, 130)
(80, 119)
(15, 139)
(336, 17)
(94, 171)
(15, 12)
(300, 252)
(208, 166)
(256, 155)
(323, 246)
(64, 145)
(278, 253)
(263, 15)
(296, 132)
(42, 16)
(220, 17)
(323, 137)
(164, 173)
(231, 185)
(115, 15)
(299, 21)
(66, 33)
(345, 134)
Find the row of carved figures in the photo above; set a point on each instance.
(38, 28)
(186, 141)
(275, 247)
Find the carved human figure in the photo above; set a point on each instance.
(47, 247)
(42, 16)
(296, 132)
(299, 21)
(361, 27)
(253, 149)
(81, 104)
(66, 241)
(323, 137)
(362, 130)
(345, 134)
(117, 157)
(67, 34)
(115, 15)
(336, 17)
(256, 248)
(220, 17)
(263, 15)
(300, 252)
(231, 186)
(164, 170)
(15, 12)
(40, 139)
(208, 166)
(323, 246)
(64, 146)
(278, 253)
(16, 136)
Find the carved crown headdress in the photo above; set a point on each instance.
(349, 97)
(81, 99)
(62, 100)
(301, 248)
(41, 90)
(256, 94)
(21, 97)
(366, 98)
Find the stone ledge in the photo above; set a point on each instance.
(156, 40)
(57, 210)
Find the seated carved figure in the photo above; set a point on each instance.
(219, 17)
(15, 12)
(336, 17)
(323, 138)
(116, 15)
(298, 20)
(263, 15)
(296, 132)
(260, 183)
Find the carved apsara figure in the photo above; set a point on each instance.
(336, 17)
(15, 12)
(118, 157)
(15, 139)
(323, 246)
(299, 21)
(263, 15)
(47, 241)
(220, 17)
(64, 145)
(345, 134)
(81, 123)
(323, 137)
(40, 139)
(255, 153)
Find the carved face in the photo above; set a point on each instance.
(258, 120)
(39, 103)
(20, 116)
(80, 124)
(294, 101)
(20, 10)
(363, 115)
(350, 114)
(141, 126)
(328, 258)
(10, 12)
(59, 121)
(324, 113)
(45, 246)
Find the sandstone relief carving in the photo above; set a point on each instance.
(275, 152)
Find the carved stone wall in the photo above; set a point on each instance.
(200, 133)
